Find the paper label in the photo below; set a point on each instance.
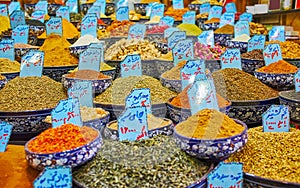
(246, 17)
(175, 37)
(3, 10)
(137, 31)
(122, 13)
(168, 32)
(100, 46)
(207, 38)
(17, 18)
(226, 175)
(230, 7)
(183, 50)
(83, 91)
(63, 12)
(166, 20)
(277, 33)
(38, 15)
(157, 10)
(5, 132)
(297, 81)
(257, 42)
(132, 124)
(177, 4)
(276, 119)
(32, 63)
(42, 5)
(240, 28)
(102, 4)
(189, 17)
(89, 26)
(149, 8)
(204, 8)
(54, 177)
(122, 3)
(7, 49)
(231, 58)
(67, 111)
(272, 53)
(215, 12)
(95, 10)
(15, 5)
(138, 98)
(131, 66)
(20, 34)
(73, 6)
(54, 25)
(90, 59)
(227, 18)
(192, 70)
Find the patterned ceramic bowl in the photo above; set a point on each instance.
(295, 62)
(10, 75)
(85, 7)
(57, 72)
(210, 26)
(243, 46)
(38, 30)
(77, 50)
(174, 85)
(288, 98)
(194, 7)
(218, 149)
(140, 8)
(52, 8)
(279, 82)
(161, 46)
(109, 9)
(69, 158)
(250, 65)
(221, 39)
(3, 82)
(200, 21)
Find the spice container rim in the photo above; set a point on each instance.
(289, 59)
(74, 78)
(63, 66)
(281, 95)
(252, 101)
(123, 105)
(277, 74)
(252, 59)
(26, 112)
(14, 72)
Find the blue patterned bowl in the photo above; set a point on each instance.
(140, 8)
(221, 39)
(243, 46)
(52, 8)
(57, 72)
(213, 65)
(194, 7)
(218, 149)
(38, 30)
(210, 26)
(77, 50)
(200, 21)
(109, 9)
(288, 98)
(295, 62)
(279, 82)
(250, 65)
(85, 7)
(10, 75)
(70, 158)
(3, 82)
(177, 22)
(161, 46)
(174, 85)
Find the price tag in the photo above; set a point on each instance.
(73, 6)
(226, 175)
(168, 32)
(3, 10)
(67, 111)
(204, 8)
(183, 50)
(272, 53)
(5, 132)
(7, 49)
(20, 34)
(95, 10)
(166, 20)
(38, 15)
(15, 5)
(42, 5)
(138, 98)
(192, 70)
(240, 28)
(100, 46)
(178, 4)
(132, 124)
(257, 42)
(131, 66)
(277, 33)
(148, 8)
(157, 10)
(202, 95)
(231, 58)
(215, 12)
(207, 38)
(137, 31)
(63, 12)
(276, 119)
(189, 17)
(297, 81)
(246, 17)
(89, 26)
(122, 13)
(54, 25)
(90, 59)
(227, 18)
(83, 91)
(122, 3)
(54, 177)
(230, 7)
(32, 63)
(175, 37)
(102, 4)
(17, 18)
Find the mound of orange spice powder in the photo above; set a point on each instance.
(62, 138)
(280, 66)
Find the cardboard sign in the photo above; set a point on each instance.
(89, 26)
(54, 177)
(122, 13)
(3, 10)
(246, 17)
(168, 32)
(215, 12)
(32, 63)
(231, 58)
(189, 17)
(240, 28)
(276, 119)
(157, 10)
(204, 8)
(82, 89)
(17, 18)
(175, 37)
(38, 15)
(42, 5)
(90, 59)
(177, 4)
(183, 50)
(166, 20)
(192, 70)
(73, 6)
(138, 98)
(7, 49)
(54, 25)
(102, 4)
(95, 10)
(20, 34)
(297, 81)
(277, 33)
(63, 12)
(272, 53)
(137, 31)
(100, 46)
(257, 42)
(5, 132)
(227, 18)
(230, 7)
(15, 5)
(207, 38)
(131, 66)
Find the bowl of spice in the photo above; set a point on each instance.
(104, 69)
(278, 75)
(211, 135)
(240, 42)
(252, 60)
(223, 34)
(292, 100)
(9, 69)
(67, 145)
(211, 24)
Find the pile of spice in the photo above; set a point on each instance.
(157, 29)
(8, 66)
(212, 20)
(289, 49)
(254, 54)
(87, 75)
(5, 23)
(174, 73)
(241, 38)
(226, 29)
(202, 16)
(119, 28)
(279, 67)
(176, 13)
(154, 20)
(206, 52)
(57, 52)
(236, 85)
(2, 77)
(209, 124)
(190, 29)
(62, 138)
(154, 162)
(257, 29)
(272, 155)
(85, 41)
(31, 93)
(121, 88)
(103, 67)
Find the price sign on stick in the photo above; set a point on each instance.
(83, 91)
(227, 18)
(73, 6)
(183, 50)
(89, 25)
(192, 70)
(215, 12)
(276, 119)
(189, 17)
(137, 31)
(241, 28)
(166, 20)
(272, 53)
(54, 177)
(297, 81)
(102, 4)
(15, 5)
(277, 33)
(207, 38)
(139, 97)
(20, 34)
(246, 17)
(95, 10)
(257, 42)
(205, 8)
(54, 25)
(168, 32)
(42, 5)
(3, 10)
(100, 46)
(122, 13)
(175, 37)
(90, 59)
(63, 12)
(5, 132)
(177, 4)
(38, 15)
(32, 63)
(230, 7)
(7, 49)
(131, 66)
(157, 10)
(17, 18)
(231, 58)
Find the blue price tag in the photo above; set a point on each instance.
(189, 17)
(231, 58)
(246, 17)
(277, 33)
(20, 34)
(42, 5)
(102, 4)
(227, 18)
(230, 7)
(3, 10)
(175, 37)
(183, 50)
(73, 6)
(122, 13)
(89, 26)
(177, 4)
(139, 98)
(192, 70)
(5, 132)
(257, 42)
(17, 18)
(226, 175)
(90, 59)
(38, 15)
(168, 32)
(207, 38)
(272, 53)
(166, 20)
(63, 12)
(67, 111)
(95, 10)
(7, 49)
(240, 28)
(276, 119)
(15, 5)
(157, 10)
(54, 25)
(122, 3)
(100, 46)
(132, 124)
(83, 91)
(137, 31)
(215, 12)
(131, 66)
(54, 177)
(32, 63)
(297, 81)
(202, 95)
(148, 8)
(204, 8)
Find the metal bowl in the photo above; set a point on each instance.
(250, 65)
(243, 46)
(288, 98)
(221, 39)
(57, 72)
(279, 82)
(210, 26)
(140, 8)
(10, 75)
